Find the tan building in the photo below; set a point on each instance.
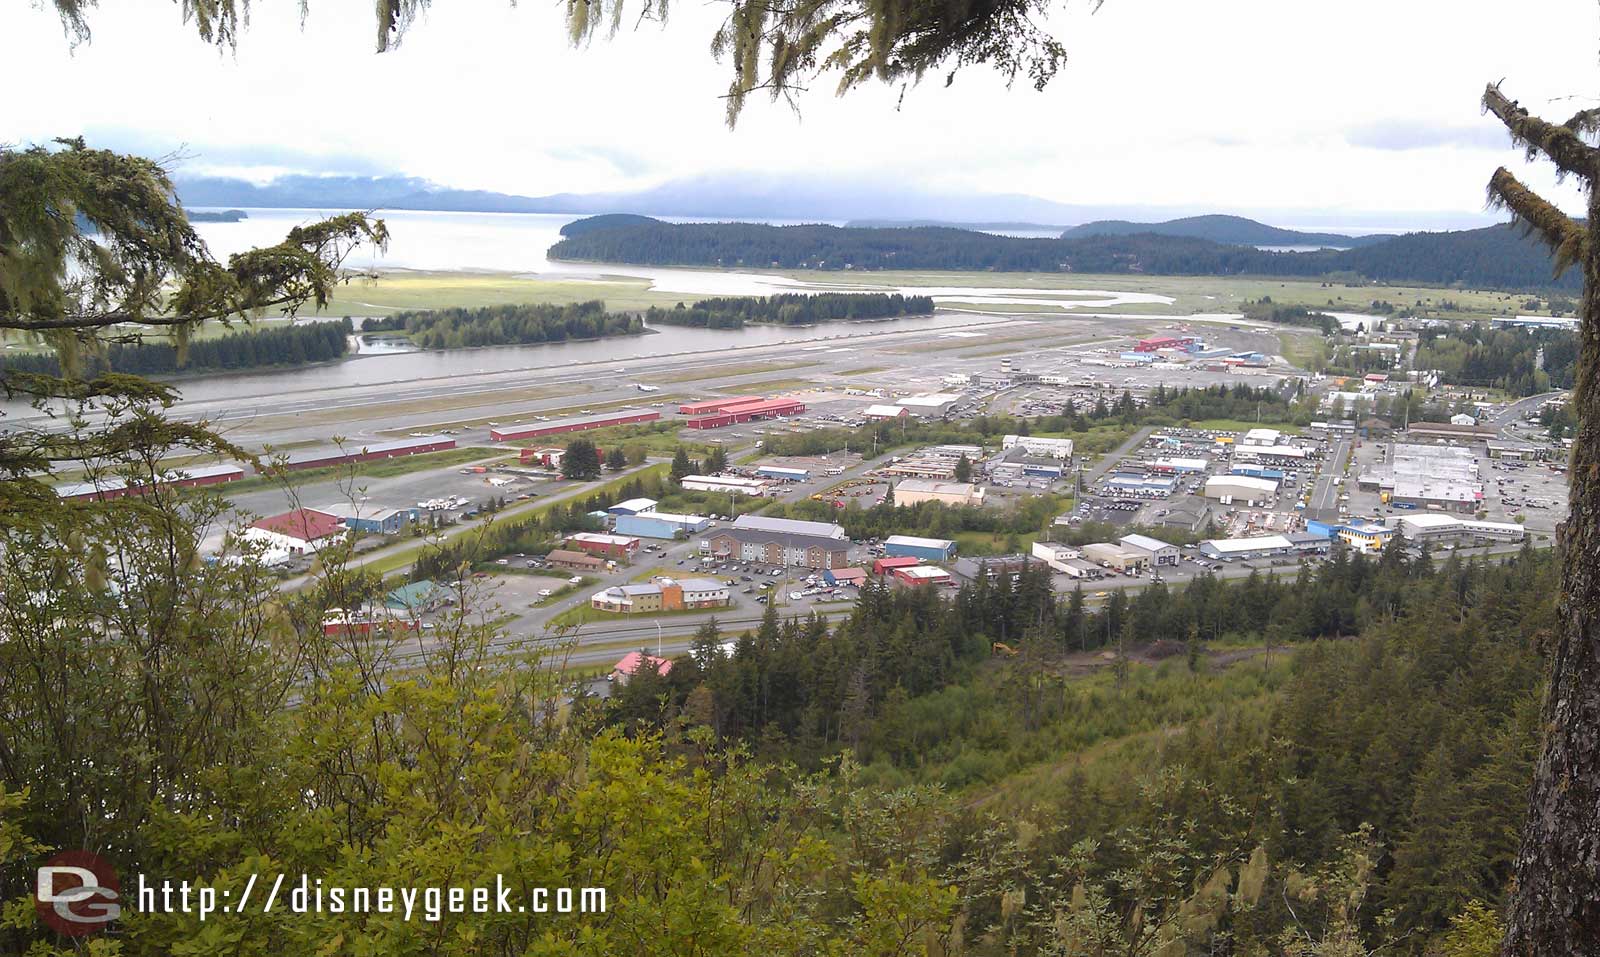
(663, 594)
(574, 561)
(1116, 557)
(629, 599)
(913, 491)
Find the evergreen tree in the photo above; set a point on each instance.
(581, 460)
(681, 466)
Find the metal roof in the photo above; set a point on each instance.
(1240, 545)
(915, 542)
(791, 526)
(1145, 542)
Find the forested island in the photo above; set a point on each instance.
(523, 324)
(1493, 257)
(287, 345)
(215, 216)
(1222, 229)
(790, 309)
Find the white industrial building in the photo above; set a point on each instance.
(729, 484)
(1241, 489)
(1534, 322)
(914, 491)
(1422, 475)
(931, 405)
(1160, 552)
(1039, 445)
(1243, 549)
(1261, 437)
(878, 413)
(1055, 554)
(1434, 528)
(1066, 559)
(1140, 486)
(1179, 465)
(1290, 455)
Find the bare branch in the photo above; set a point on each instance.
(1560, 144)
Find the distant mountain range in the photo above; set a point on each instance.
(948, 224)
(1495, 257)
(711, 197)
(813, 199)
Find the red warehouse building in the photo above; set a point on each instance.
(610, 546)
(922, 575)
(581, 423)
(749, 411)
(187, 477)
(1155, 343)
(715, 405)
(366, 453)
(883, 566)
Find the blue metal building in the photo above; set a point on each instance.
(1257, 471)
(660, 525)
(927, 549)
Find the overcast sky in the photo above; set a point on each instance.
(1359, 107)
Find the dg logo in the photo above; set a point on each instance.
(77, 893)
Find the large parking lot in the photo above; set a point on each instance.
(1526, 493)
(1177, 462)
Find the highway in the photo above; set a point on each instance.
(1506, 419)
(1324, 493)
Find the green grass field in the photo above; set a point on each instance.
(978, 544)
(382, 468)
(1305, 350)
(400, 291)
(1190, 294)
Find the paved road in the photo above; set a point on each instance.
(1509, 417)
(1122, 451)
(1325, 494)
(467, 527)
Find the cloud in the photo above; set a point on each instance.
(492, 96)
(1400, 134)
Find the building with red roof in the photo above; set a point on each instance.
(634, 661)
(300, 531)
